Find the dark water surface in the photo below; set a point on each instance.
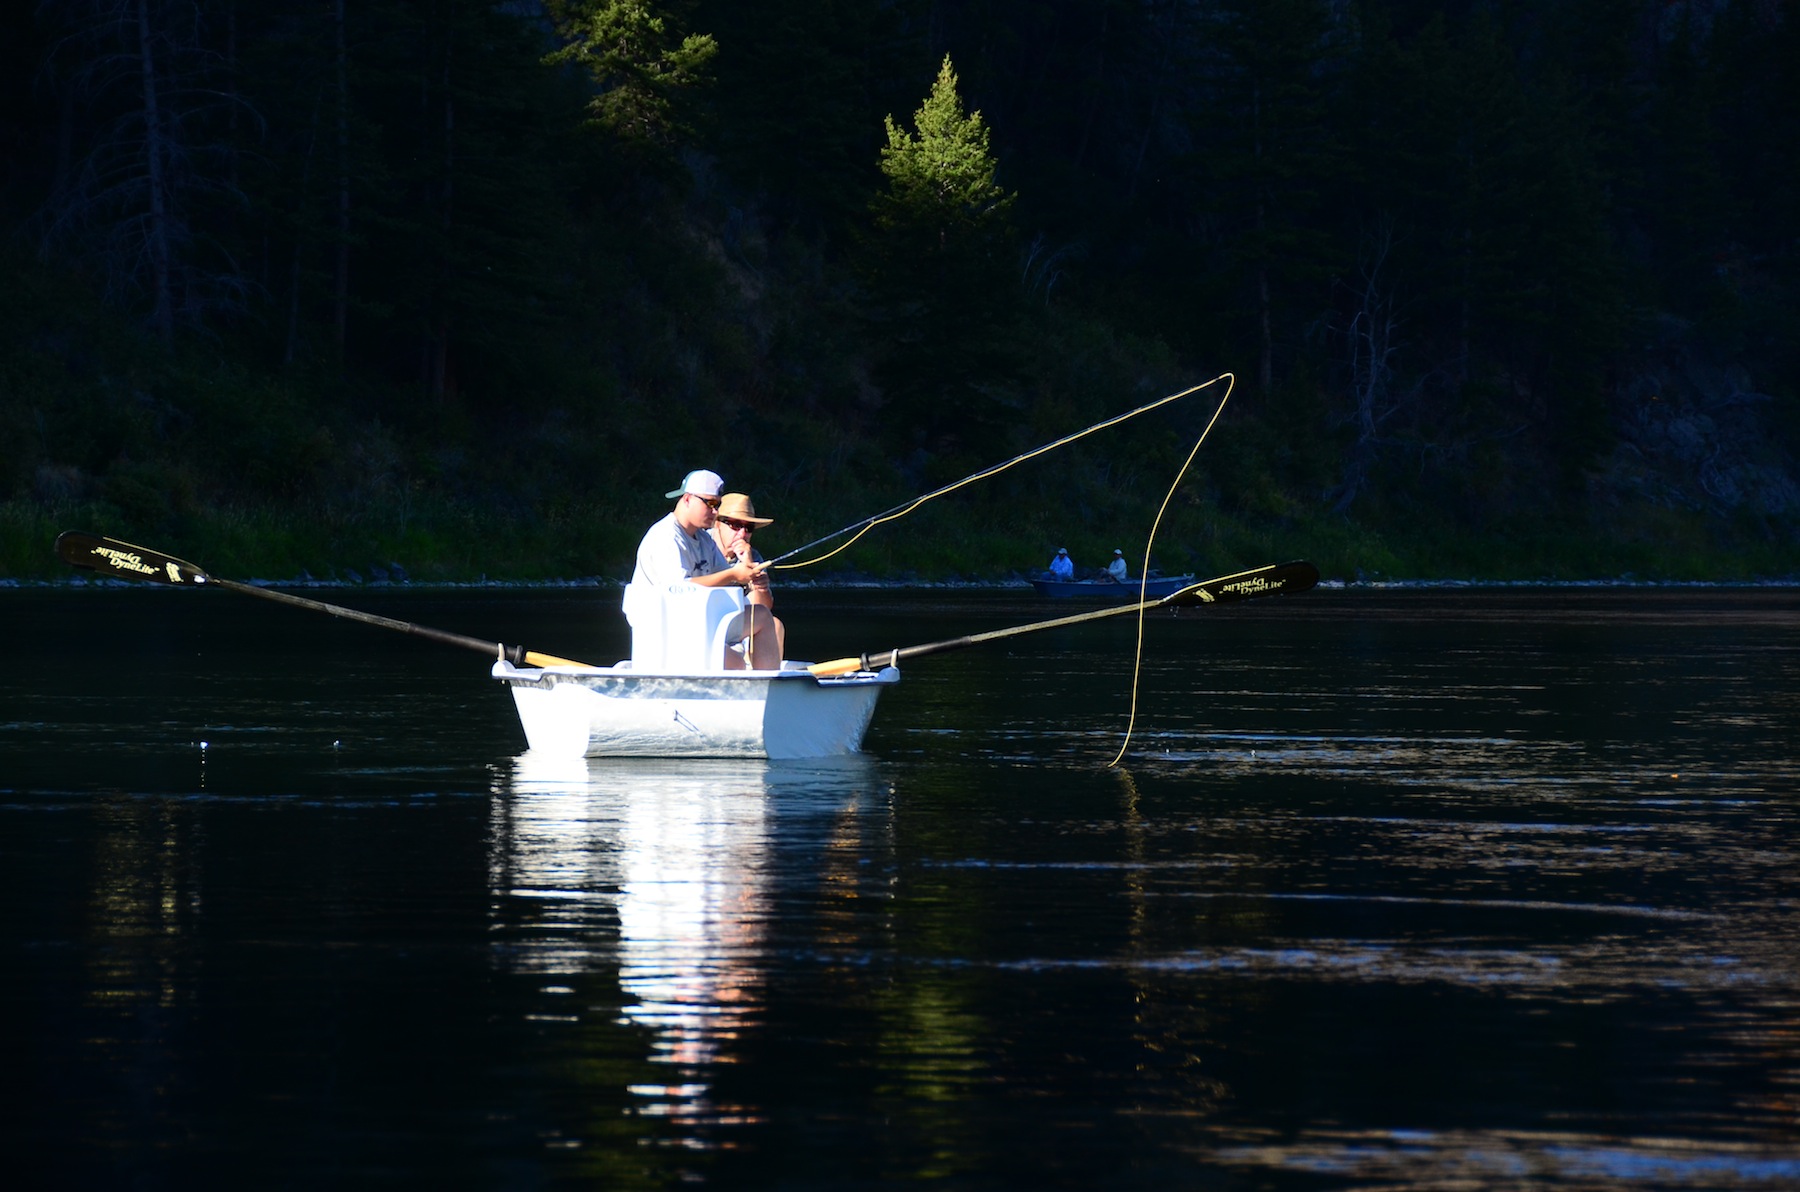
(1400, 889)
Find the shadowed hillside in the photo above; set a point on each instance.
(308, 289)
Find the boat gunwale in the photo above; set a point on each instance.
(512, 675)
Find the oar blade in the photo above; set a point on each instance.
(109, 556)
(1277, 579)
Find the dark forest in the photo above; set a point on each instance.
(458, 288)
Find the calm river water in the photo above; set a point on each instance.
(1398, 889)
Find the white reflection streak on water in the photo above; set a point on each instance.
(691, 913)
(1402, 1160)
(677, 850)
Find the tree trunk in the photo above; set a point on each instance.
(306, 163)
(438, 373)
(162, 316)
(341, 288)
(231, 83)
(1265, 367)
(1093, 108)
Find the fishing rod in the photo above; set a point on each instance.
(905, 507)
(112, 557)
(1273, 580)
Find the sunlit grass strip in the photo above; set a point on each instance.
(439, 540)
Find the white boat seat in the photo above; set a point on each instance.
(684, 630)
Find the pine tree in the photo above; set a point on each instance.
(941, 183)
(943, 255)
(639, 68)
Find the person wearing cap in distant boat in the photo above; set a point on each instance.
(1062, 566)
(733, 524)
(679, 550)
(1116, 570)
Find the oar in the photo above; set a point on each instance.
(1273, 580)
(126, 561)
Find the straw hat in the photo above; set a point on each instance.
(737, 507)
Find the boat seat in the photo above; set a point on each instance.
(684, 630)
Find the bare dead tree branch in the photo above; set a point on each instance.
(150, 115)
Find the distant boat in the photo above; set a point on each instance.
(1155, 588)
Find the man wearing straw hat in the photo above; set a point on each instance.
(733, 525)
(678, 549)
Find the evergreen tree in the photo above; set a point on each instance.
(639, 68)
(943, 258)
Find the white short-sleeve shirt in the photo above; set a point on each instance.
(669, 555)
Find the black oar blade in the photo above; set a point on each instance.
(1274, 580)
(112, 557)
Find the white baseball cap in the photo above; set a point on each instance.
(702, 484)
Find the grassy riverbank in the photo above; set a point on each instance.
(449, 544)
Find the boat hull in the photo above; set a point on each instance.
(618, 712)
(1105, 589)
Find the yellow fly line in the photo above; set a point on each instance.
(901, 511)
(1144, 571)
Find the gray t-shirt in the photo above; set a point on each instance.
(669, 555)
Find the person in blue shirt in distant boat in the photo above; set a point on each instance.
(1116, 570)
(1062, 566)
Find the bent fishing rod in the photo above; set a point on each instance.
(905, 507)
(1273, 580)
(91, 552)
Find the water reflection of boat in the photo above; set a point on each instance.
(663, 871)
(1155, 588)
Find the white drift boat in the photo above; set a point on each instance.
(672, 698)
(615, 711)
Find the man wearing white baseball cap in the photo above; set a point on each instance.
(678, 550)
